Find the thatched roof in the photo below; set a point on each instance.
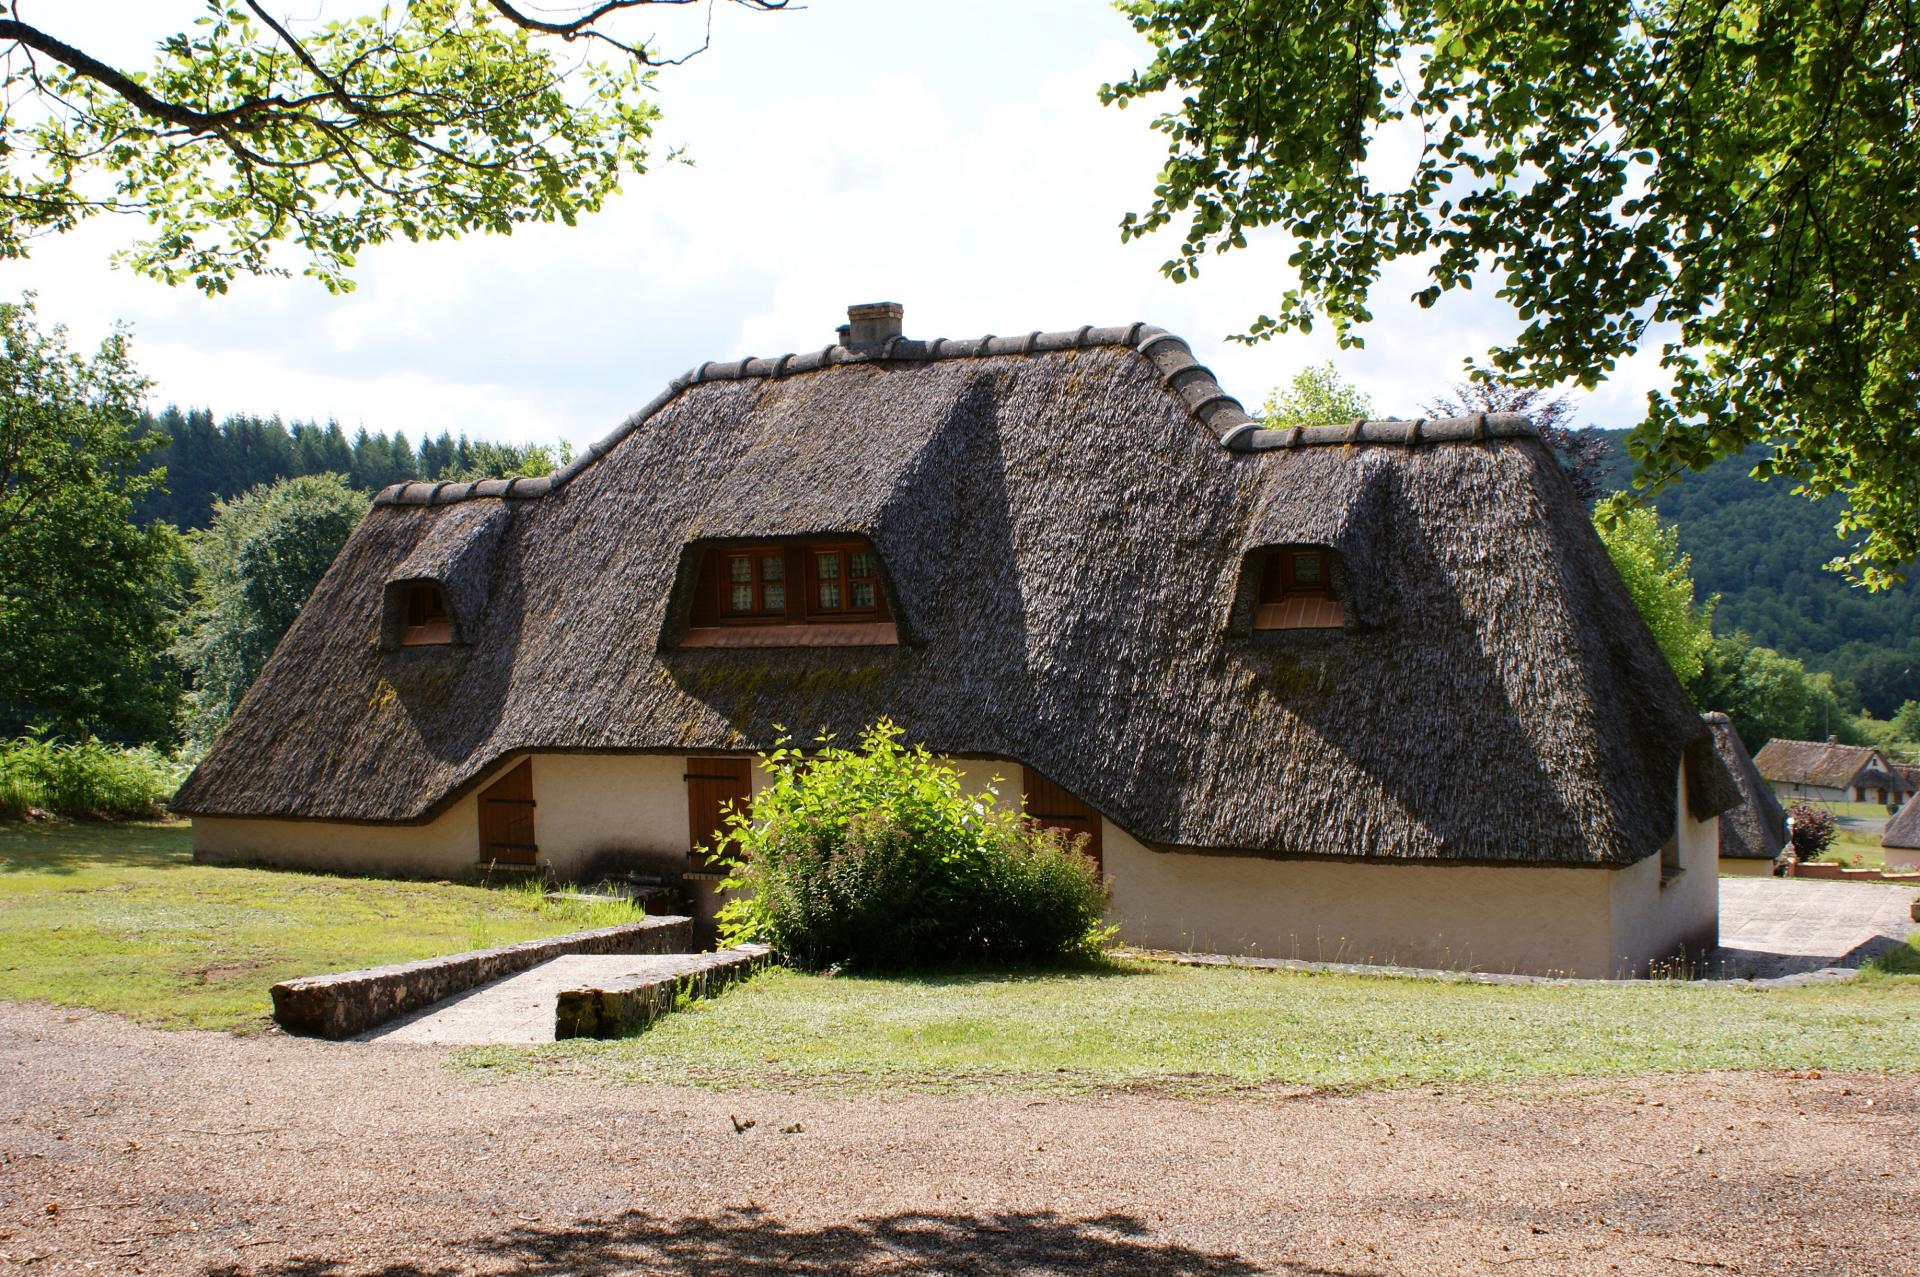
(1065, 538)
(1757, 828)
(1903, 828)
(1827, 764)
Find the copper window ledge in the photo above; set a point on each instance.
(867, 634)
(1301, 612)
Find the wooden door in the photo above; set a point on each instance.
(1054, 808)
(506, 819)
(713, 785)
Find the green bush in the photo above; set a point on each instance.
(88, 779)
(877, 857)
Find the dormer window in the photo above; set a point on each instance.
(427, 619)
(1296, 591)
(755, 585)
(790, 594)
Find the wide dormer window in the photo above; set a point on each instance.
(1297, 590)
(427, 620)
(826, 593)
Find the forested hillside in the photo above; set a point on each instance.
(208, 461)
(1762, 550)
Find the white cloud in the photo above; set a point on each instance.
(956, 161)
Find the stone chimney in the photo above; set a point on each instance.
(871, 323)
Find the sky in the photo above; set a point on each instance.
(954, 158)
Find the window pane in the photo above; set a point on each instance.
(860, 594)
(1306, 569)
(740, 568)
(773, 568)
(776, 598)
(860, 564)
(829, 597)
(827, 566)
(742, 598)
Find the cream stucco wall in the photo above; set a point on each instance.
(585, 805)
(1655, 922)
(1463, 917)
(1745, 867)
(1901, 857)
(1585, 922)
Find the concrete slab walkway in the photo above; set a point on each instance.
(1772, 927)
(520, 1008)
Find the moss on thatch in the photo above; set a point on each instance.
(1065, 536)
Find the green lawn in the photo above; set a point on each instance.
(1206, 1029)
(118, 917)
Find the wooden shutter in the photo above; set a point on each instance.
(1052, 807)
(506, 819)
(714, 784)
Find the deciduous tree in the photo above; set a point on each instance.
(1737, 181)
(256, 563)
(1648, 558)
(85, 595)
(421, 120)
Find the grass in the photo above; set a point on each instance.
(1209, 1029)
(1866, 811)
(1849, 844)
(119, 918)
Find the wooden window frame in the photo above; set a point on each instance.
(801, 622)
(426, 620)
(758, 556)
(817, 612)
(1284, 602)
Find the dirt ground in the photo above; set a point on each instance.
(129, 1150)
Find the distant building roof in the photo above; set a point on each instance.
(1827, 764)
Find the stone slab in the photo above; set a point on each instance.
(349, 1003)
(520, 1008)
(630, 1003)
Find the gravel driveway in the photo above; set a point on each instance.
(129, 1150)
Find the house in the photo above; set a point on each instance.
(1831, 772)
(1752, 833)
(1900, 841)
(1364, 692)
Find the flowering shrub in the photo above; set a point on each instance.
(877, 857)
(1812, 830)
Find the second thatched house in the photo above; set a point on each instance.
(1367, 692)
(1827, 771)
(1752, 833)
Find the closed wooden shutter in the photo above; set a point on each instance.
(713, 786)
(1052, 807)
(506, 819)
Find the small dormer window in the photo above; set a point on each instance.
(1296, 591)
(427, 619)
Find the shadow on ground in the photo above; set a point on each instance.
(751, 1243)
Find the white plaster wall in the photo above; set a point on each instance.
(589, 805)
(443, 848)
(1464, 917)
(585, 805)
(1653, 923)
